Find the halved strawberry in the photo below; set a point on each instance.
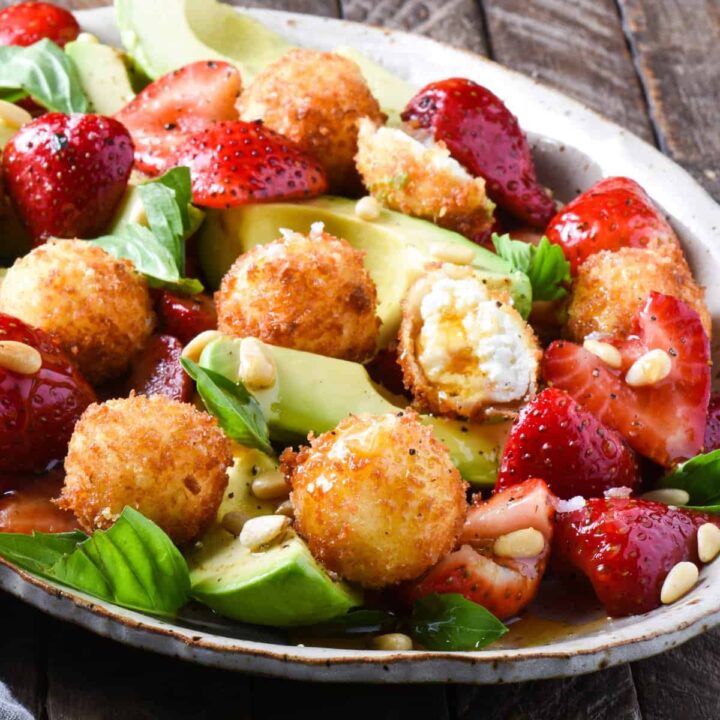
(626, 547)
(712, 430)
(26, 23)
(556, 439)
(163, 115)
(157, 370)
(614, 213)
(664, 421)
(185, 317)
(233, 163)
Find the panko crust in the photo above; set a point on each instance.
(97, 306)
(612, 286)
(309, 293)
(316, 99)
(164, 458)
(422, 181)
(377, 499)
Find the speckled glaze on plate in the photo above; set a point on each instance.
(573, 147)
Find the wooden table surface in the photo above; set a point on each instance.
(650, 65)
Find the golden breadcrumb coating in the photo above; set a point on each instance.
(97, 306)
(164, 458)
(612, 286)
(316, 99)
(421, 180)
(309, 293)
(377, 499)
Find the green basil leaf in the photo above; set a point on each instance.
(133, 563)
(450, 622)
(544, 264)
(699, 477)
(45, 73)
(237, 411)
(710, 509)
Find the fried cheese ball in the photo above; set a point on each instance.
(316, 99)
(611, 287)
(309, 293)
(407, 175)
(377, 499)
(464, 350)
(97, 306)
(162, 457)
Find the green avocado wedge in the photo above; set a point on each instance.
(314, 393)
(396, 248)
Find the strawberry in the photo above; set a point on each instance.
(712, 429)
(185, 317)
(157, 370)
(664, 421)
(233, 163)
(28, 22)
(164, 114)
(66, 174)
(38, 411)
(614, 213)
(554, 438)
(626, 547)
(485, 137)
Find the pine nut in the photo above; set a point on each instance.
(608, 353)
(708, 542)
(257, 367)
(527, 542)
(233, 521)
(668, 496)
(392, 641)
(650, 368)
(679, 581)
(13, 116)
(367, 208)
(87, 37)
(19, 357)
(194, 348)
(286, 508)
(452, 253)
(262, 530)
(270, 485)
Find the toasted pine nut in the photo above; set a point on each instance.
(257, 367)
(194, 348)
(708, 542)
(286, 508)
(608, 353)
(13, 116)
(527, 542)
(87, 37)
(270, 485)
(234, 521)
(367, 208)
(679, 581)
(19, 357)
(262, 530)
(392, 641)
(452, 253)
(668, 496)
(650, 368)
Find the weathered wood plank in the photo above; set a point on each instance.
(577, 47)
(676, 49)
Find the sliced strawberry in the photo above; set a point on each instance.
(712, 429)
(66, 174)
(157, 370)
(233, 163)
(38, 411)
(28, 22)
(185, 317)
(484, 136)
(556, 439)
(614, 213)
(665, 421)
(164, 114)
(626, 547)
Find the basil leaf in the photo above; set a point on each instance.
(133, 563)
(44, 72)
(699, 477)
(237, 411)
(450, 622)
(544, 264)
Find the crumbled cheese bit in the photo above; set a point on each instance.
(618, 492)
(571, 505)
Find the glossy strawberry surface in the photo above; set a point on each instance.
(26, 23)
(185, 317)
(157, 370)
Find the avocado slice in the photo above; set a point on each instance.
(103, 74)
(396, 248)
(314, 393)
(247, 463)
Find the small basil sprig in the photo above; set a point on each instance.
(133, 563)
(237, 411)
(450, 622)
(544, 264)
(44, 72)
(700, 478)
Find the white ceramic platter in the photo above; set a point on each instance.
(574, 147)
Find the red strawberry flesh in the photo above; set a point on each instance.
(157, 370)
(26, 23)
(185, 317)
